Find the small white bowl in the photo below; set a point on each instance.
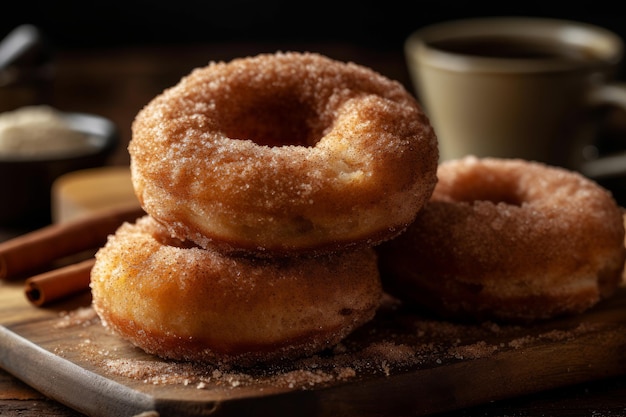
(26, 181)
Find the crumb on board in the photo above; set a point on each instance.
(385, 346)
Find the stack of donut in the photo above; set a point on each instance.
(267, 182)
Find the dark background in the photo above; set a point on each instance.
(375, 27)
(380, 25)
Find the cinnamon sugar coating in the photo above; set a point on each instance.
(508, 240)
(283, 153)
(189, 303)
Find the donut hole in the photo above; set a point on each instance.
(507, 197)
(492, 191)
(272, 121)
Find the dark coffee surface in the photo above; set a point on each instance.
(513, 48)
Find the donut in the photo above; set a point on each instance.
(182, 302)
(282, 154)
(508, 240)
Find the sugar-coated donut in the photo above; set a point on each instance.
(508, 240)
(188, 303)
(283, 153)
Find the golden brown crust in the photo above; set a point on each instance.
(509, 240)
(283, 153)
(194, 304)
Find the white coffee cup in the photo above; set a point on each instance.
(529, 88)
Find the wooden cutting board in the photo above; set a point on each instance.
(400, 364)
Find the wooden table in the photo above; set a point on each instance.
(117, 83)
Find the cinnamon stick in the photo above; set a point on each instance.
(34, 250)
(59, 283)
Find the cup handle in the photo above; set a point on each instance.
(611, 94)
(613, 165)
